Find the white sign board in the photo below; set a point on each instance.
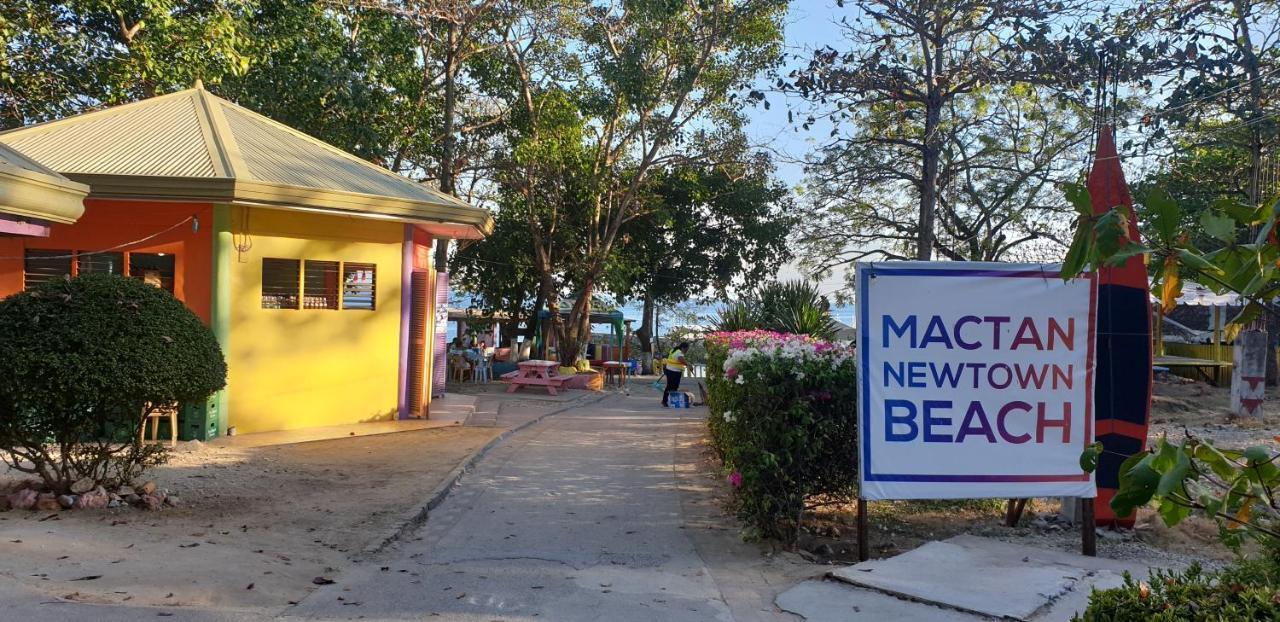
(975, 380)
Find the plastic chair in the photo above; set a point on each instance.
(461, 367)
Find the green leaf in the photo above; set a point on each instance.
(1257, 453)
(1164, 215)
(1192, 259)
(1218, 226)
(1078, 195)
(1089, 457)
(1241, 213)
(1172, 478)
(1138, 482)
(1172, 513)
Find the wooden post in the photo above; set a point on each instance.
(1217, 334)
(1088, 529)
(863, 553)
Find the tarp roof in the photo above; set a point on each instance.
(194, 146)
(1197, 295)
(29, 190)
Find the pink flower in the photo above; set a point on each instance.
(730, 373)
(735, 479)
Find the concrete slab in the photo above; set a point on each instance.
(832, 601)
(989, 577)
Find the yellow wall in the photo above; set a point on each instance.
(292, 368)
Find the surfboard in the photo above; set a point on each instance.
(1122, 386)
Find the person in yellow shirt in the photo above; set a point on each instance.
(674, 369)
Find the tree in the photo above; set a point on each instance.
(83, 360)
(645, 84)
(63, 57)
(1220, 61)
(702, 230)
(1003, 150)
(906, 81)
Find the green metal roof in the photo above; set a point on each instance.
(29, 190)
(194, 146)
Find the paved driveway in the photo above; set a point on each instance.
(576, 518)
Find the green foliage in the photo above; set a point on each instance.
(1243, 592)
(1236, 489)
(784, 427)
(793, 307)
(63, 56)
(80, 359)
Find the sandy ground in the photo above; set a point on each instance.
(1179, 407)
(255, 528)
(1203, 410)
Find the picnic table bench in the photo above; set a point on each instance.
(1200, 365)
(535, 373)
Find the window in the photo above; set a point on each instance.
(359, 286)
(153, 268)
(320, 285)
(44, 266)
(100, 263)
(280, 279)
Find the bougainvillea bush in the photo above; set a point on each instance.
(784, 421)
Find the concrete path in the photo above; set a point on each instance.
(576, 518)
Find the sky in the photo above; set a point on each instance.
(811, 24)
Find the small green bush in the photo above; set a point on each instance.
(784, 421)
(1243, 592)
(80, 359)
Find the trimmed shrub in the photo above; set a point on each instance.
(784, 421)
(1242, 592)
(79, 361)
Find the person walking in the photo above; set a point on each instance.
(674, 369)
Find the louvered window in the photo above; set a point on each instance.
(43, 266)
(280, 282)
(100, 263)
(320, 285)
(359, 286)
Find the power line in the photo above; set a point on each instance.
(192, 218)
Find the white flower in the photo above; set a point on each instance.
(739, 380)
(799, 375)
(728, 416)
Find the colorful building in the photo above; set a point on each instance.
(312, 266)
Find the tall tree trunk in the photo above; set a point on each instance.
(571, 330)
(448, 144)
(645, 333)
(929, 177)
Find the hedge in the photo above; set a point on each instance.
(784, 422)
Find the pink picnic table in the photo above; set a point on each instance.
(535, 373)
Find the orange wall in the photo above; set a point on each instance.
(109, 223)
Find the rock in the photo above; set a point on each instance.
(132, 499)
(823, 550)
(173, 500)
(4, 503)
(93, 500)
(48, 502)
(114, 503)
(114, 496)
(125, 491)
(67, 501)
(82, 485)
(24, 499)
(148, 488)
(152, 501)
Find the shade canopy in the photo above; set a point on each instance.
(29, 190)
(194, 146)
(1197, 295)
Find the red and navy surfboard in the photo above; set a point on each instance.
(1122, 386)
